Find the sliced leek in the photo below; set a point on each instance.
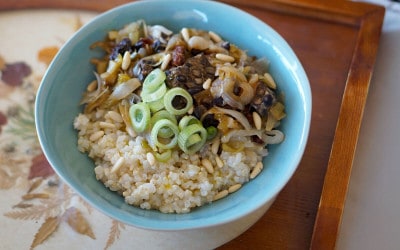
(164, 156)
(161, 141)
(169, 101)
(153, 80)
(151, 96)
(140, 116)
(188, 120)
(192, 138)
(164, 132)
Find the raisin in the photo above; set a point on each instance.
(219, 101)
(209, 120)
(226, 45)
(158, 46)
(142, 43)
(199, 110)
(268, 100)
(123, 46)
(178, 56)
(257, 139)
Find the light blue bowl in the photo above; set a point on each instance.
(66, 79)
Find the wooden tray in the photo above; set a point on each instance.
(337, 43)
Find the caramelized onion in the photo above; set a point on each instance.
(175, 40)
(273, 137)
(240, 134)
(124, 89)
(91, 96)
(260, 65)
(233, 100)
(97, 101)
(268, 137)
(123, 108)
(233, 113)
(225, 85)
(230, 71)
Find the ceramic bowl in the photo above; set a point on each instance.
(59, 94)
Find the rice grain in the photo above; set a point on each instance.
(96, 135)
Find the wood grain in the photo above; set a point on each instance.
(337, 44)
(336, 41)
(348, 127)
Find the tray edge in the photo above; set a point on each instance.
(332, 201)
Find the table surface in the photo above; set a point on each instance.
(371, 207)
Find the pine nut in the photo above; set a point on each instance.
(166, 61)
(126, 60)
(221, 195)
(208, 165)
(106, 125)
(234, 188)
(96, 135)
(253, 79)
(257, 120)
(269, 81)
(215, 146)
(224, 57)
(131, 132)
(92, 86)
(113, 34)
(256, 170)
(185, 34)
(214, 36)
(198, 42)
(207, 84)
(220, 163)
(118, 164)
(150, 158)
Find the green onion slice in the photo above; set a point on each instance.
(164, 156)
(156, 105)
(188, 120)
(157, 94)
(192, 138)
(161, 141)
(153, 80)
(164, 132)
(140, 116)
(171, 95)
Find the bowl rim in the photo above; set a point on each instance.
(178, 225)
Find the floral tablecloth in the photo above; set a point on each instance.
(37, 209)
(30, 191)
